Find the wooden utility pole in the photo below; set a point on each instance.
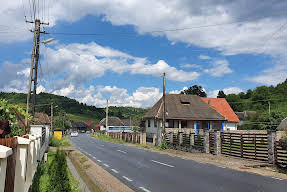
(161, 130)
(269, 107)
(107, 116)
(31, 96)
(163, 107)
(52, 116)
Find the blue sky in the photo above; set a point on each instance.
(125, 63)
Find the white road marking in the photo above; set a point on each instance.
(277, 178)
(115, 171)
(94, 157)
(99, 160)
(162, 163)
(121, 151)
(144, 189)
(102, 145)
(222, 167)
(106, 165)
(126, 178)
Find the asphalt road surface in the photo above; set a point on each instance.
(146, 171)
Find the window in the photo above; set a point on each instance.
(185, 102)
(148, 123)
(170, 124)
(155, 123)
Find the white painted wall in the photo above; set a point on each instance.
(230, 126)
(152, 128)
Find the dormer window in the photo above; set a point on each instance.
(185, 102)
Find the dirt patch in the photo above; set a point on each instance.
(97, 178)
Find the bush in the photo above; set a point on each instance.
(54, 142)
(58, 174)
(164, 145)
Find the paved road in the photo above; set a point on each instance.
(146, 171)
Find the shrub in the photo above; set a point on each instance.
(164, 145)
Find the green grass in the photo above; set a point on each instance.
(54, 142)
(42, 178)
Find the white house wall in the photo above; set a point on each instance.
(230, 126)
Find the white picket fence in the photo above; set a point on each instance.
(29, 152)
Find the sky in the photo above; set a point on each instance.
(229, 45)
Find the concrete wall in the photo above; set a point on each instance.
(30, 150)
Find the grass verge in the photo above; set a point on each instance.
(54, 175)
(54, 142)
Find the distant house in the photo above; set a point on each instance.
(41, 119)
(116, 124)
(222, 107)
(283, 125)
(243, 115)
(184, 112)
(79, 126)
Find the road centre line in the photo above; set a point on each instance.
(121, 151)
(106, 165)
(162, 163)
(99, 160)
(115, 171)
(277, 178)
(126, 178)
(144, 189)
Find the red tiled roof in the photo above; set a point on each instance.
(222, 107)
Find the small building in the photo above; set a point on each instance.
(222, 107)
(116, 124)
(79, 126)
(185, 113)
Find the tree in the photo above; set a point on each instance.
(221, 94)
(234, 102)
(194, 90)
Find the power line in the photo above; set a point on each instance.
(158, 31)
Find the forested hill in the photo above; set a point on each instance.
(258, 100)
(75, 110)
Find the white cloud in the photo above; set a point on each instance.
(177, 91)
(219, 68)
(190, 66)
(142, 97)
(79, 63)
(227, 91)
(204, 57)
(273, 75)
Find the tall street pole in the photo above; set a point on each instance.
(107, 116)
(33, 66)
(52, 116)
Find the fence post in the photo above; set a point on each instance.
(5, 152)
(171, 138)
(217, 144)
(180, 139)
(192, 139)
(21, 162)
(154, 139)
(206, 141)
(271, 138)
(30, 161)
(144, 139)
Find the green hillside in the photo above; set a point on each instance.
(75, 111)
(258, 100)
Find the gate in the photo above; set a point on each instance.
(11, 163)
(280, 153)
(212, 142)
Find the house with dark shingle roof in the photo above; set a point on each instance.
(184, 112)
(222, 107)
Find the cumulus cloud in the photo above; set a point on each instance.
(141, 97)
(204, 57)
(218, 68)
(79, 63)
(227, 91)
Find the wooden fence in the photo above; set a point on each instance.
(249, 146)
(11, 163)
(280, 155)
(138, 138)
